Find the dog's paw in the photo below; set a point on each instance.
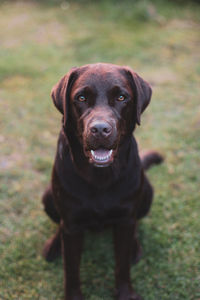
(126, 292)
(52, 249)
(75, 296)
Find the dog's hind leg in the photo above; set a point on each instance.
(137, 250)
(145, 200)
(52, 247)
(49, 207)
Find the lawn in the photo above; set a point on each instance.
(40, 41)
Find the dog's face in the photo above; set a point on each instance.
(101, 104)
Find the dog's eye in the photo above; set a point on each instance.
(81, 98)
(121, 98)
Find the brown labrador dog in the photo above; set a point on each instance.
(98, 177)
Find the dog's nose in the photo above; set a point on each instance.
(101, 128)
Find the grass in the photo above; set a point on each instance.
(40, 41)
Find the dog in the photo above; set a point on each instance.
(98, 178)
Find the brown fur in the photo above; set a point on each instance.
(98, 178)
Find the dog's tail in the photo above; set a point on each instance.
(151, 158)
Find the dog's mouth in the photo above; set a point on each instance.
(101, 157)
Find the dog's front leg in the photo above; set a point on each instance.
(124, 236)
(71, 252)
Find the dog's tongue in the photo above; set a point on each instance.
(101, 152)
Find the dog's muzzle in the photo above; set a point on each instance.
(101, 142)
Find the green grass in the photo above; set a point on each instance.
(42, 40)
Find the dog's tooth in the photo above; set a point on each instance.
(100, 158)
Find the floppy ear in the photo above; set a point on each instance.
(143, 93)
(60, 93)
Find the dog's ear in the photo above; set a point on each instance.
(60, 93)
(142, 91)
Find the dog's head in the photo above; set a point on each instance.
(101, 104)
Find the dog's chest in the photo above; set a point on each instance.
(88, 207)
(100, 209)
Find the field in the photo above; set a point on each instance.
(40, 42)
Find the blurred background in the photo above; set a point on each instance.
(39, 42)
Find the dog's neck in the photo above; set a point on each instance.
(127, 157)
